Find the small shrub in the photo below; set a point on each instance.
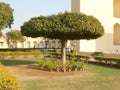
(70, 56)
(69, 65)
(16, 54)
(55, 54)
(108, 60)
(41, 64)
(4, 54)
(8, 81)
(80, 57)
(56, 65)
(118, 62)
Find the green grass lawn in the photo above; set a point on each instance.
(11, 62)
(101, 78)
(97, 78)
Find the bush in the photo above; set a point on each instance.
(4, 54)
(82, 57)
(17, 49)
(15, 54)
(8, 81)
(56, 65)
(76, 57)
(108, 60)
(54, 54)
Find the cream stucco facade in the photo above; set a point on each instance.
(3, 42)
(108, 13)
(30, 43)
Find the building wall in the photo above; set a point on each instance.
(116, 8)
(30, 43)
(103, 10)
(75, 5)
(3, 42)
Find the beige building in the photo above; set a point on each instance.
(108, 13)
(3, 42)
(30, 43)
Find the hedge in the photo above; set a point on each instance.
(8, 81)
(108, 60)
(18, 53)
(76, 57)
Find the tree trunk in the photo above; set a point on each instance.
(63, 51)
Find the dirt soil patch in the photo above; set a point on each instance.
(28, 72)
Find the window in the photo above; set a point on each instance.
(41, 44)
(28, 44)
(59, 44)
(1, 44)
(116, 39)
(14, 44)
(35, 44)
(22, 44)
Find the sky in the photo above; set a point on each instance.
(26, 9)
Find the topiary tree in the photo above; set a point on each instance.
(64, 26)
(14, 36)
(6, 15)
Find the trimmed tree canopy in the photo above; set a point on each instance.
(6, 15)
(72, 26)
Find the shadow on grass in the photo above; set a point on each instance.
(16, 62)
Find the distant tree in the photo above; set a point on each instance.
(64, 26)
(6, 15)
(14, 36)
